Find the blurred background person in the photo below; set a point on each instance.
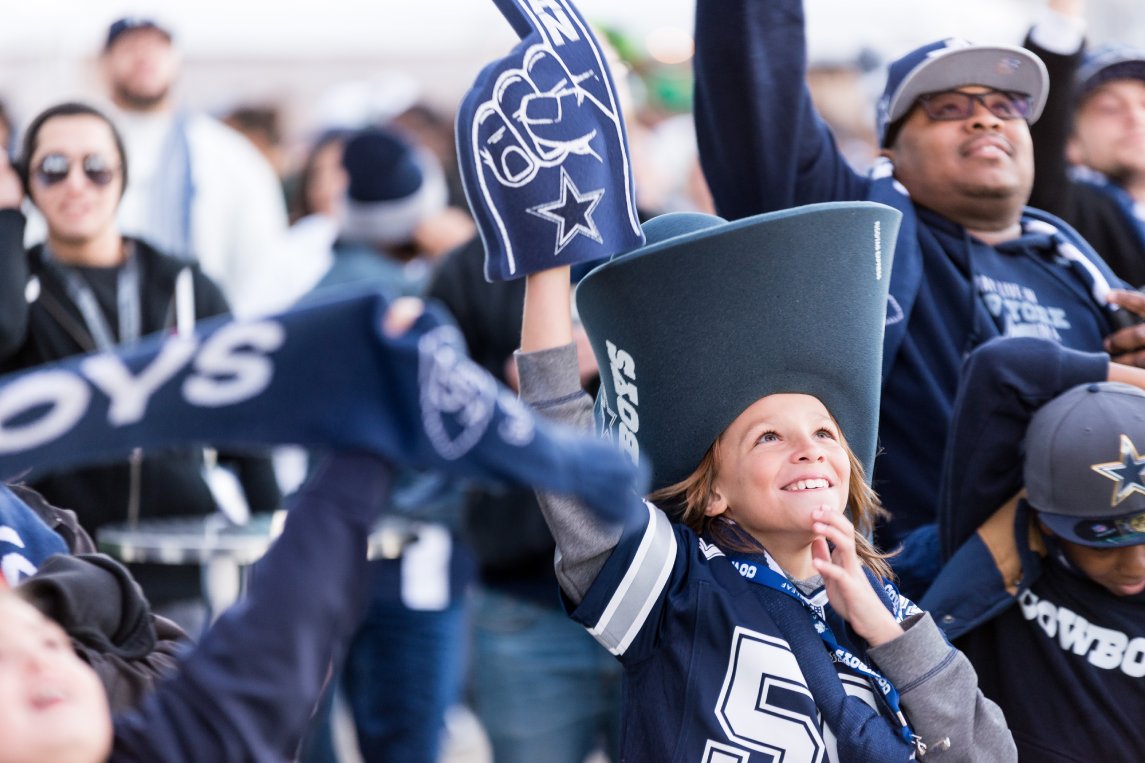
(1089, 145)
(89, 287)
(414, 630)
(199, 190)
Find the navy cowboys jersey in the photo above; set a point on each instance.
(1067, 666)
(708, 677)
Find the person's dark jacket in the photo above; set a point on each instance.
(101, 608)
(990, 553)
(1096, 215)
(40, 323)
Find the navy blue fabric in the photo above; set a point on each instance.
(25, 541)
(248, 690)
(1004, 383)
(770, 150)
(322, 375)
(543, 148)
(1066, 665)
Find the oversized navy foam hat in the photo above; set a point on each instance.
(709, 316)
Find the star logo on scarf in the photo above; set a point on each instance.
(572, 212)
(1128, 473)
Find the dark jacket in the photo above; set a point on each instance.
(102, 610)
(1095, 214)
(50, 327)
(503, 526)
(989, 548)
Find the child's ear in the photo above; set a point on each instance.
(717, 504)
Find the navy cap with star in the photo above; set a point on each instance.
(1084, 472)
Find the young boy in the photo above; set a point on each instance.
(1065, 664)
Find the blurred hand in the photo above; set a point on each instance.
(1071, 8)
(1127, 345)
(11, 189)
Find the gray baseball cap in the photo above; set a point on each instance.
(1084, 471)
(953, 63)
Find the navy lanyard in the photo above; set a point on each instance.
(127, 299)
(752, 570)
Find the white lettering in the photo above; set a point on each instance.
(66, 396)
(556, 22)
(130, 394)
(15, 567)
(1103, 648)
(1134, 662)
(227, 373)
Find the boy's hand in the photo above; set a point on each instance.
(543, 149)
(848, 588)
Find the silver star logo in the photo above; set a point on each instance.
(1128, 473)
(572, 212)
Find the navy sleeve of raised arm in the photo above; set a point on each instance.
(13, 279)
(1003, 383)
(248, 690)
(1053, 191)
(763, 147)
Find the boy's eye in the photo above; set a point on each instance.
(769, 437)
(827, 433)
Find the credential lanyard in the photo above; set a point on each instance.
(758, 570)
(127, 299)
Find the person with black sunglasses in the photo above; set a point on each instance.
(88, 287)
(972, 261)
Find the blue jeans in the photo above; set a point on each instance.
(542, 687)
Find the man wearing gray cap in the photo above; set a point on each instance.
(972, 261)
(1056, 439)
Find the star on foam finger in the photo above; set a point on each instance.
(1127, 473)
(572, 212)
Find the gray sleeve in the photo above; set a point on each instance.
(550, 384)
(940, 694)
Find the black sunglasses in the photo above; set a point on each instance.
(950, 105)
(55, 168)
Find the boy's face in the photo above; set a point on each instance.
(52, 705)
(1121, 571)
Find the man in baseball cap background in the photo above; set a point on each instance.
(1089, 146)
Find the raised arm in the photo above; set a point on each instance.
(1058, 39)
(763, 147)
(247, 691)
(550, 383)
(13, 264)
(1003, 383)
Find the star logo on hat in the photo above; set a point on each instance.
(1127, 473)
(572, 212)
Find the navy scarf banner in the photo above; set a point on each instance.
(322, 375)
